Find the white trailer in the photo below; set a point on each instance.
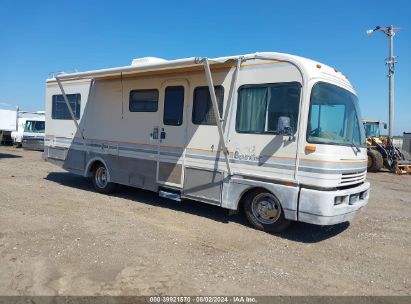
(287, 144)
(8, 124)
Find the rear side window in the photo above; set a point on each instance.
(203, 113)
(143, 101)
(262, 108)
(59, 108)
(173, 106)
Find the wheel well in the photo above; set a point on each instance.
(248, 191)
(94, 166)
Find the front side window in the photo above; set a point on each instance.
(203, 113)
(264, 108)
(334, 116)
(143, 100)
(34, 126)
(173, 106)
(59, 108)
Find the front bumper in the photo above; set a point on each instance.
(320, 208)
(33, 144)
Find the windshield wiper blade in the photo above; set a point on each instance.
(356, 147)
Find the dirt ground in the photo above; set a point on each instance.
(59, 237)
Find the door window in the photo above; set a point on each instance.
(173, 106)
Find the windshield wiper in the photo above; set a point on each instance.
(355, 146)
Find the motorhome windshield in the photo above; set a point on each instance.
(334, 116)
(34, 126)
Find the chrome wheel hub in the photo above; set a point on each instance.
(101, 177)
(266, 209)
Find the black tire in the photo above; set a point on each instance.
(101, 186)
(274, 222)
(375, 160)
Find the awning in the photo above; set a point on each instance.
(141, 68)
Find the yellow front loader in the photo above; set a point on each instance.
(381, 151)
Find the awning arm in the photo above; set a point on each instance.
(227, 124)
(69, 107)
(216, 112)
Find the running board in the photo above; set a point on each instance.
(170, 194)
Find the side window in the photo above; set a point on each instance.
(262, 108)
(59, 108)
(203, 113)
(173, 106)
(143, 101)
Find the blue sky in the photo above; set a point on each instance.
(40, 37)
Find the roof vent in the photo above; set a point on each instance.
(146, 61)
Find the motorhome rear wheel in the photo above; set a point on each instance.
(101, 180)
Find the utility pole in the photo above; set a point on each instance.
(391, 63)
(390, 33)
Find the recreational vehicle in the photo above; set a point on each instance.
(33, 135)
(275, 135)
(23, 117)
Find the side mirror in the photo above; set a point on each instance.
(284, 126)
(385, 126)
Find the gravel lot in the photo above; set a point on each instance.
(59, 237)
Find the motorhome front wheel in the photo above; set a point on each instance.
(264, 212)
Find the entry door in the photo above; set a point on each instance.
(172, 133)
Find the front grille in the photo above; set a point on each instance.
(353, 178)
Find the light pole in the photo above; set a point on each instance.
(389, 32)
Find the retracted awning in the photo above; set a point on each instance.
(141, 68)
(174, 64)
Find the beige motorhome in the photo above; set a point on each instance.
(276, 135)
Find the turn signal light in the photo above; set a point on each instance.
(310, 148)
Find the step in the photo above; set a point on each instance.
(170, 194)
